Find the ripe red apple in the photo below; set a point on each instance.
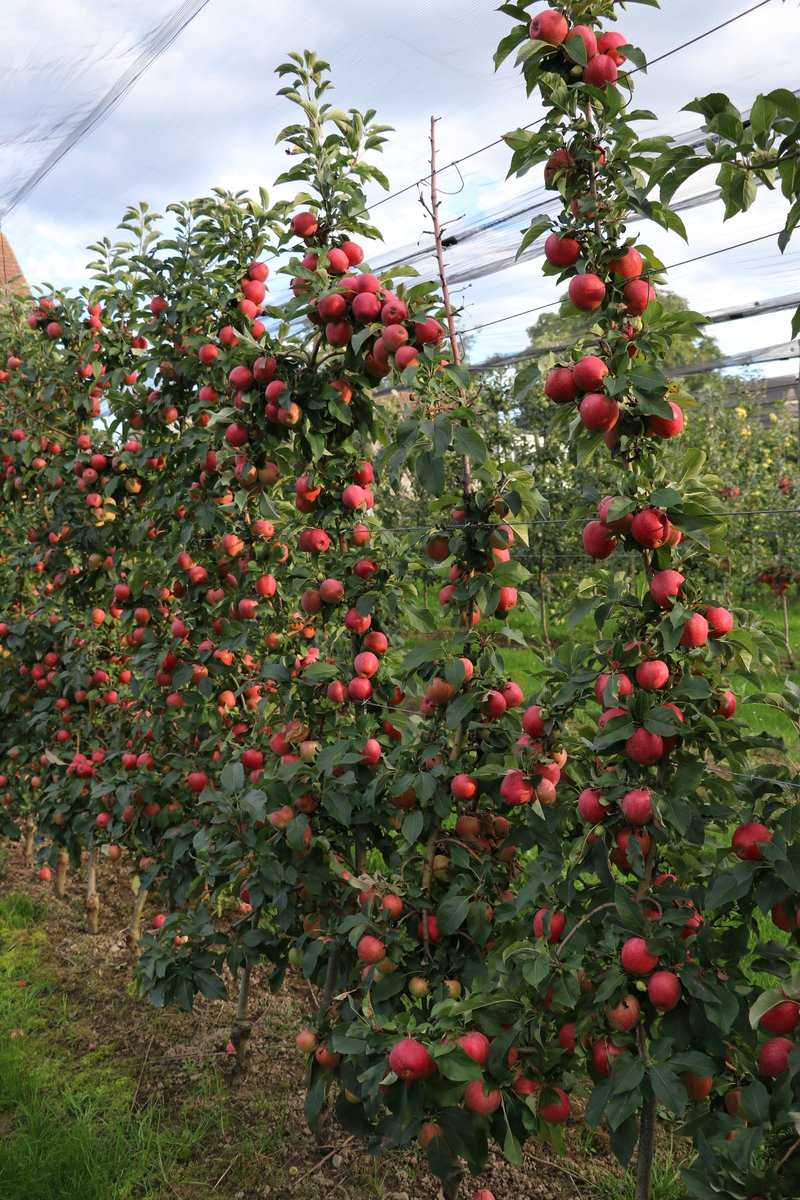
(428, 922)
(476, 1046)
(410, 1061)
(695, 631)
(327, 1058)
(370, 949)
(781, 1018)
(589, 372)
(549, 26)
(463, 787)
(587, 291)
(532, 721)
(609, 43)
(637, 806)
(626, 1015)
(516, 788)
(559, 161)
(567, 1039)
(748, 840)
(332, 307)
(637, 294)
(652, 675)
(627, 264)
(559, 386)
(480, 1101)
(591, 806)
(664, 990)
(727, 705)
(621, 683)
(549, 924)
(600, 71)
(645, 748)
(636, 959)
(598, 541)
(720, 621)
(304, 224)
(602, 1054)
(306, 1041)
(561, 251)
(555, 1109)
(665, 587)
(773, 1058)
(598, 412)
(667, 427)
(699, 1087)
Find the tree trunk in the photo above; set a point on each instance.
(241, 1028)
(451, 1186)
(644, 1158)
(92, 898)
(30, 837)
(135, 927)
(60, 878)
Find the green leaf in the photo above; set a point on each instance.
(470, 444)
(575, 48)
(769, 718)
(452, 913)
(412, 826)
(730, 885)
(512, 1150)
(459, 709)
(232, 777)
(668, 1089)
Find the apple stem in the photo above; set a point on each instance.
(60, 878)
(92, 898)
(644, 1158)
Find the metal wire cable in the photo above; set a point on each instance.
(670, 267)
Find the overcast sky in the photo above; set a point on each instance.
(206, 114)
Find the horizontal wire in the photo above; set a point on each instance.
(525, 312)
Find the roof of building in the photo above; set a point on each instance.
(11, 277)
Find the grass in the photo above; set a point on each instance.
(67, 1130)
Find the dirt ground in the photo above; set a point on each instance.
(257, 1145)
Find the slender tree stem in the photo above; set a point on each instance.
(786, 637)
(241, 1028)
(647, 1141)
(135, 927)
